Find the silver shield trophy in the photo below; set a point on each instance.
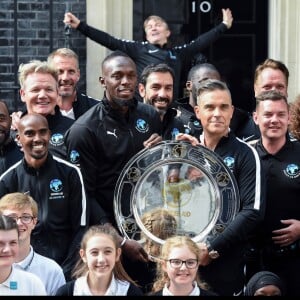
(192, 185)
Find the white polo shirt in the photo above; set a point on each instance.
(48, 270)
(22, 283)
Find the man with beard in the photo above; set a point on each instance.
(58, 188)
(156, 88)
(106, 137)
(71, 102)
(9, 150)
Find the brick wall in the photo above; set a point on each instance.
(31, 29)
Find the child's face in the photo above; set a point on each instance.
(181, 276)
(9, 247)
(100, 255)
(25, 228)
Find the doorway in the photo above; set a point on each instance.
(236, 54)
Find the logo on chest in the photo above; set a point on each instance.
(292, 171)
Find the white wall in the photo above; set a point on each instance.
(284, 39)
(113, 17)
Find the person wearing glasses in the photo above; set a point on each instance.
(177, 269)
(58, 188)
(24, 210)
(13, 281)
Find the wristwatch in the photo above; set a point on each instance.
(213, 254)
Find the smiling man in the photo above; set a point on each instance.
(71, 102)
(58, 188)
(277, 240)
(222, 265)
(156, 48)
(156, 88)
(39, 92)
(106, 137)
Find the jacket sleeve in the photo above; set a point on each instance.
(5, 183)
(78, 216)
(201, 42)
(251, 185)
(80, 139)
(129, 47)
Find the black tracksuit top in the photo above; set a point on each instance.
(144, 53)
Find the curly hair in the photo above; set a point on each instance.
(161, 223)
(294, 126)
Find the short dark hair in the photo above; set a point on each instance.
(270, 95)
(7, 223)
(114, 54)
(161, 68)
(197, 67)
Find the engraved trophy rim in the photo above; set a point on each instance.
(198, 205)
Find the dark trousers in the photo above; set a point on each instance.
(287, 267)
(225, 275)
(285, 262)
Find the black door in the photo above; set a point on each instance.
(235, 54)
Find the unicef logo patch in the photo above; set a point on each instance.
(57, 139)
(229, 162)
(292, 171)
(56, 185)
(74, 157)
(142, 125)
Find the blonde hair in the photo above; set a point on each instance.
(63, 52)
(18, 201)
(273, 64)
(35, 66)
(177, 241)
